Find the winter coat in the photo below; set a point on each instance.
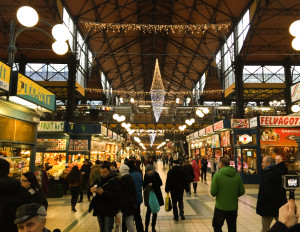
(227, 186)
(283, 168)
(156, 183)
(138, 182)
(188, 173)
(176, 183)
(204, 164)
(95, 173)
(12, 195)
(86, 168)
(271, 194)
(196, 170)
(107, 204)
(128, 196)
(38, 197)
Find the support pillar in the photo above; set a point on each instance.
(239, 89)
(289, 82)
(71, 86)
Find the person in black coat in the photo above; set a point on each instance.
(106, 203)
(281, 165)
(12, 195)
(188, 173)
(153, 179)
(176, 183)
(203, 168)
(85, 172)
(128, 197)
(271, 194)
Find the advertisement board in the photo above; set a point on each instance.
(215, 141)
(201, 132)
(239, 123)
(51, 126)
(5, 72)
(225, 138)
(253, 122)
(279, 136)
(218, 125)
(209, 129)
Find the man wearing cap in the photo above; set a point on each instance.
(12, 195)
(31, 217)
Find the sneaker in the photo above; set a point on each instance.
(182, 217)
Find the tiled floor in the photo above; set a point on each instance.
(198, 210)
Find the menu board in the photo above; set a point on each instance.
(78, 145)
(60, 144)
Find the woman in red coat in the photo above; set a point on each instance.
(196, 170)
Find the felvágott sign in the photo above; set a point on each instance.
(279, 121)
(5, 71)
(51, 126)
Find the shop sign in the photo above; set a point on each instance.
(196, 135)
(115, 136)
(215, 141)
(33, 92)
(5, 71)
(201, 132)
(218, 125)
(279, 136)
(51, 126)
(109, 133)
(253, 122)
(209, 129)
(103, 130)
(239, 123)
(295, 92)
(279, 121)
(245, 139)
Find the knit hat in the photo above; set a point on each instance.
(124, 170)
(149, 168)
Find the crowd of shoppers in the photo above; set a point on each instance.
(120, 189)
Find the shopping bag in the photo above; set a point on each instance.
(153, 202)
(168, 203)
(118, 222)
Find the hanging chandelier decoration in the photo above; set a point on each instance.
(152, 138)
(153, 28)
(157, 92)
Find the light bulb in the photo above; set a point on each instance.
(60, 47)
(27, 16)
(115, 116)
(192, 120)
(296, 43)
(177, 100)
(131, 100)
(205, 110)
(295, 108)
(121, 99)
(60, 32)
(122, 118)
(295, 28)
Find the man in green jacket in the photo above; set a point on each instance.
(227, 186)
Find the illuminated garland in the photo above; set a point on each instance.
(142, 93)
(150, 28)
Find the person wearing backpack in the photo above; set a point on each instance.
(152, 179)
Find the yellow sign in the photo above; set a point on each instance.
(33, 92)
(5, 71)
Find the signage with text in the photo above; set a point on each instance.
(196, 135)
(295, 92)
(209, 129)
(51, 126)
(202, 132)
(239, 123)
(218, 125)
(33, 92)
(5, 71)
(253, 122)
(279, 136)
(215, 141)
(245, 139)
(279, 121)
(225, 138)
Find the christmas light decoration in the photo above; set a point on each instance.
(157, 92)
(150, 28)
(152, 138)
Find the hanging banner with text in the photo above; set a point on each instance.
(280, 121)
(5, 71)
(51, 126)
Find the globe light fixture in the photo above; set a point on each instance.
(295, 28)
(27, 16)
(60, 47)
(121, 100)
(177, 100)
(205, 110)
(295, 108)
(132, 100)
(296, 43)
(60, 32)
(115, 116)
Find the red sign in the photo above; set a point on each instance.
(279, 136)
(239, 123)
(244, 139)
(218, 125)
(279, 121)
(209, 129)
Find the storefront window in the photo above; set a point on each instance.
(228, 152)
(249, 161)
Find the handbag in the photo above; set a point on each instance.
(168, 203)
(153, 202)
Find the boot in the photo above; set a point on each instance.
(182, 217)
(146, 228)
(73, 208)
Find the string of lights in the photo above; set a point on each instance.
(150, 28)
